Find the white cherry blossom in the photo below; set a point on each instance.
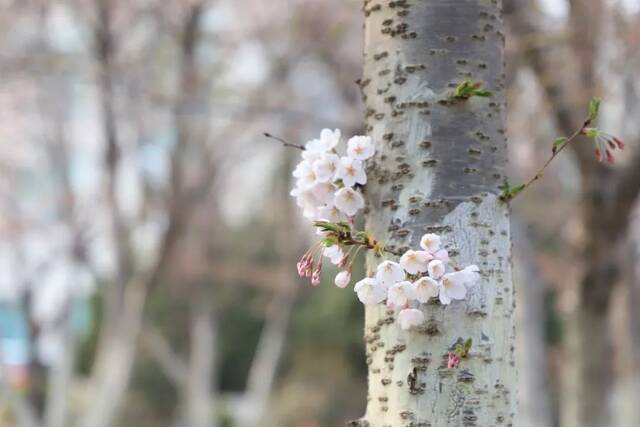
(334, 253)
(329, 213)
(410, 317)
(415, 261)
(454, 285)
(308, 202)
(351, 172)
(389, 272)
(360, 147)
(425, 288)
(342, 279)
(348, 201)
(430, 242)
(311, 155)
(442, 255)
(329, 139)
(370, 291)
(325, 167)
(399, 294)
(436, 268)
(305, 174)
(324, 192)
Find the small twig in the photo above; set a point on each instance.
(284, 142)
(368, 245)
(554, 153)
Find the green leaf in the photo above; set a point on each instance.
(467, 89)
(327, 226)
(467, 345)
(343, 225)
(594, 108)
(459, 350)
(328, 241)
(362, 235)
(509, 192)
(506, 188)
(559, 141)
(516, 190)
(591, 132)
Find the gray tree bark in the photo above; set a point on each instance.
(438, 168)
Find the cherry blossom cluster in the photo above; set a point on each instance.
(328, 183)
(418, 276)
(329, 180)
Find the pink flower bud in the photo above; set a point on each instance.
(453, 360)
(609, 156)
(342, 279)
(598, 155)
(315, 276)
(300, 269)
(619, 143)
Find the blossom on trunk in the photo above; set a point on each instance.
(360, 147)
(370, 291)
(410, 317)
(389, 272)
(425, 288)
(454, 285)
(430, 242)
(400, 294)
(415, 261)
(436, 268)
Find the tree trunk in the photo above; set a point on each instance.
(60, 378)
(199, 394)
(626, 336)
(438, 169)
(114, 363)
(588, 365)
(534, 389)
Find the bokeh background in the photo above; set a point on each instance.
(148, 241)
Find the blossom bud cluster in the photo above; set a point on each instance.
(328, 184)
(605, 143)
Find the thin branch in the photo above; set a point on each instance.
(508, 196)
(284, 142)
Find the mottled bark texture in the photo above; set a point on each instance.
(438, 168)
